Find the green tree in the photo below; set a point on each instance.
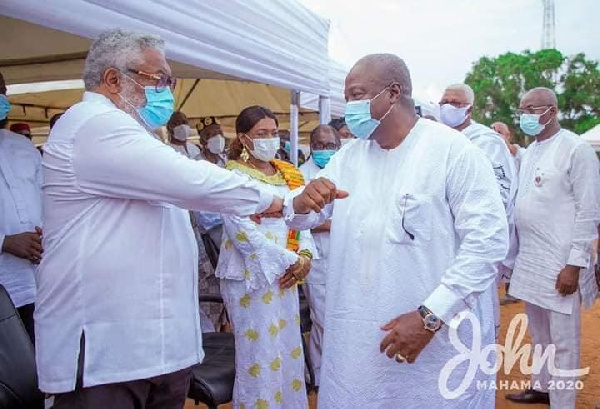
(500, 82)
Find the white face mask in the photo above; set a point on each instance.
(181, 132)
(216, 144)
(453, 116)
(265, 149)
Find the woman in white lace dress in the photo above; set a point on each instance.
(260, 266)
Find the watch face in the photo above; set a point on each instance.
(432, 322)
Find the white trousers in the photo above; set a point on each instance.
(315, 295)
(563, 331)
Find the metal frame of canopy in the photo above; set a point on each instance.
(205, 39)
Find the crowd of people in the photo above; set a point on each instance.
(393, 227)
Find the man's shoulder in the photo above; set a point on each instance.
(17, 141)
(441, 135)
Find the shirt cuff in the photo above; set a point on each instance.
(288, 210)
(446, 305)
(265, 201)
(579, 258)
(2, 236)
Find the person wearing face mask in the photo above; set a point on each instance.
(344, 133)
(212, 141)
(116, 318)
(324, 143)
(456, 109)
(557, 210)
(20, 216)
(260, 266)
(413, 245)
(178, 129)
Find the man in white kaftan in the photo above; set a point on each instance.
(421, 230)
(456, 110)
(557, 212)
(324, 142)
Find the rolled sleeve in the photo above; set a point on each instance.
(579, 258)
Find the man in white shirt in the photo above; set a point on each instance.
(20, 216)
(414, 244)
(324, 143)
(117, 287)
(557, 211)
(178, 129)
(456, 110)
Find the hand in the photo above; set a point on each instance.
(568, 280)
(26, 245)
(325, 227)
(295, 272)
(274, 210)
(316, 195)
(407, 336)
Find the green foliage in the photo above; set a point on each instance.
(500, 82)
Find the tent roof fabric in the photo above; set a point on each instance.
(279, 42)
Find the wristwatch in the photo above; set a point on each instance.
(430, 321)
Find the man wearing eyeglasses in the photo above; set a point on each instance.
(117, 308)
(324, 143)
(557, 210)
(456, 110)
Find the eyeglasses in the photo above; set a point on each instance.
(320, 146)
(533, 110)
(412, 236)
(162, 80)
(455, 104)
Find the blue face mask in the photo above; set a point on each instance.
(158, 108)
(322, 157)
(359, 119)
(4, 107)
(287, 147)
(530, 123)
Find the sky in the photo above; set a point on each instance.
(440, 39)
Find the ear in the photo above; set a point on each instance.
(395, 92)
(112, 80)
(470, 110)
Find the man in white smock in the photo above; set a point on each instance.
(412, 247)
(557, 211)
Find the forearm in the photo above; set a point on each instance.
(303, 221)
(324, 228)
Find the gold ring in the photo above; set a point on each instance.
(400, 358)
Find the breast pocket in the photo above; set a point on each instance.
(411, 220)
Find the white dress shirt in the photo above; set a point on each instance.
(121, 260)
(20, 210)
(424, 224)
(557, 211)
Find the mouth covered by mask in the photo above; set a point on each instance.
(216, 144)
(182, 132)
(453, 116)
(322, 157)
(4, 107)
(359, 119)
(265, 149)
(158, 108)
(530, 123)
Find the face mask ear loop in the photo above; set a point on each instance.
(545, 112)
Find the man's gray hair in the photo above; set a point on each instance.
(117, 48)
(464, 88)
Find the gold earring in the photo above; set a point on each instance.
(245, 155)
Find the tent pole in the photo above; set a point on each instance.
(294, 111)
(324, 110)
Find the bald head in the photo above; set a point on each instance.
(381, 70)
(540, 96)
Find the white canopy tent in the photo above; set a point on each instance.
(278, 42)
(593, 137)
